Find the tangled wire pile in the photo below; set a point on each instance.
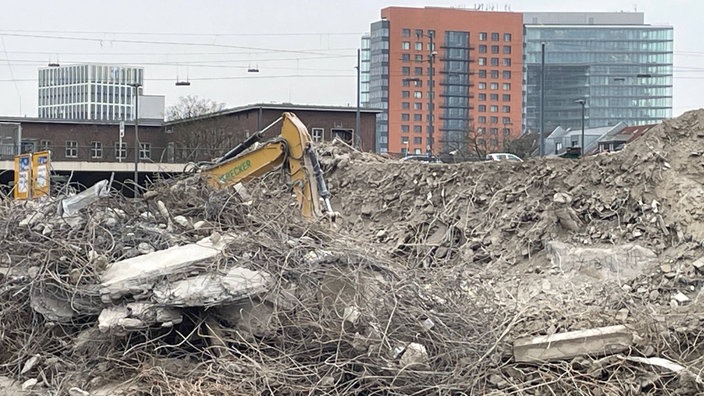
(422, 287)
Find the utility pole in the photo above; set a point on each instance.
(542, 99)
(357, 121)
(582, 148)
(431, 109)
(137, 146)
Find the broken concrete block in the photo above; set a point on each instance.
(29, 384)
(680, 297)
(619, 262)
(562, 198)
(414, 355)
(138, 274)
(597, 341)
(351, 314)
(136, 315)
(699, 264)
(211, 289)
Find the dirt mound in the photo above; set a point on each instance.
(437, 279)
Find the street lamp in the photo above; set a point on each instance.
(582, 149)
(137, 146)
(431, 70)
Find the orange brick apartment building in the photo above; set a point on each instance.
(475, 65)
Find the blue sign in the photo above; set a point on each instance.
(24, 163)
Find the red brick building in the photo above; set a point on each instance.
(474, 61)
(200, 138)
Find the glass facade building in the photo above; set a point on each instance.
(374, 78)
(619, 65)
(88, 92)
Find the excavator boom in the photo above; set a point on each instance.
(291, 149)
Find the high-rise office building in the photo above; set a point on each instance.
(89, 92)
(446, 78)
(620, 67)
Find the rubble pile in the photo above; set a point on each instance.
(544, 277)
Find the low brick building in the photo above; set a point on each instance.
(194, 139)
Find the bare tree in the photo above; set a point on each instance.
(523, 146)
(192, 106)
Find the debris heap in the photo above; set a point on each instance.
(544, 277)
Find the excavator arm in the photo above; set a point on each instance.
(293, 150)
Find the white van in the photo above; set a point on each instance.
(503, 157)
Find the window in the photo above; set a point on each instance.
(406, 32)
(405, 105)
(494, 108)
(506, 74)
(494, 74)
(417, 117)
(482, 108)
(418, 106)
(417, 94)
(482, 119)
(405, 117)
(405, 129)
(44, 145)
(419, 46)
(96, 149)
(406, 45)
(494, 49)
(481, 85)
(417, 140)
(493, 120)
(506, 62)
(494, 37)
(318, 134)
(71, 149)
(506, 109)
(418, 58)
(494, 86)
(482, 73)
(418, 71)
(506, 120)
(505, 131)
(419, 33)
(494, 97)
(507, 49)
(506, 86)
(405, 94)
(406, 71)
(482, 49)
(406, 57)
(507, 37)
(405, 82)
(481, 61)
(494, 61)
(145, 150)
(120, 151)
(506, 97)
(482, 36)
(404, 140)
(417, 128)
(482, 97)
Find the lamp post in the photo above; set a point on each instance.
(431, 71)
(137, 147)
(582, 149)
(357, 121)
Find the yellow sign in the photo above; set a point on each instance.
(32, 175)
(40, 174)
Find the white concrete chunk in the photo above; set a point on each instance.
(597, 341)
(141, 273)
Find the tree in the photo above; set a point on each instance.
(523, 146)
(192, 106)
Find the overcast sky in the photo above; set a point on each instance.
(305, 50)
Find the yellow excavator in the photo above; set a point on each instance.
(292, 149)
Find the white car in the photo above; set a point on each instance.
(503, 157)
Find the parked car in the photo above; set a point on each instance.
(421, 158)
(503, 157)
